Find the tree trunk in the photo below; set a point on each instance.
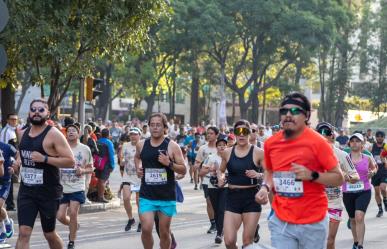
(255, 104)
(74, 105)
(150, 101)
(25, 86)
(194, 117)
(7, 103)
(233, 107)
(263, 118)
(243, 106)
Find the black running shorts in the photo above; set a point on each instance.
(28, 208)
(356, 201)
(242, 201)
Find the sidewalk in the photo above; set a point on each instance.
(86, 208)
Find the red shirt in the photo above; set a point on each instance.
(311, 150)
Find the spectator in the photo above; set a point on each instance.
(105, 148)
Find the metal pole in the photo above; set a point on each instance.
(82, 103)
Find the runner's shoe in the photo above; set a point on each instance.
(380, 213)
(9, 228)
(173, 242)
(212, 229)
(256, 235)
(139, 228)
(71, 245)
(385, 206)
(129, 225)
(3, 237)
(218, 239)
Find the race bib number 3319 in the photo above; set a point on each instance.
(156, 176)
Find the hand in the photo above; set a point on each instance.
(16, 166)
(11, 171)
(252, 174)
(370, 174)
(221, 182)
(37, 157)
(79, 171)
(302, 173)
(140, 172)
(262, 197)
(164, 159)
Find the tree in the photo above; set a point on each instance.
(67, 37)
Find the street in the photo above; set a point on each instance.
(105, 230)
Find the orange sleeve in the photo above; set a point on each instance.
(266, 160)
(325, 156)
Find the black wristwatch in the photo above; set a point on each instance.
(315, 175)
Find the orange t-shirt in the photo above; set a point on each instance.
(311, 150)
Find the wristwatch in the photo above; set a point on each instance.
(315, 175)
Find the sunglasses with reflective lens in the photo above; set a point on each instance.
(242, 131)
(325, 132)
(293, 111)
(39, 109)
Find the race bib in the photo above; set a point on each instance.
(285, 184)
(354, 187)
(68, 176)
(32, 176)
(333, 193)
(156, 176)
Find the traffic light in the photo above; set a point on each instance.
(92, 89)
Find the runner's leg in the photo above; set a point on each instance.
(232, 223)
(333, 228)
(147, 220)
(165, 232)
(250, 221)
(73, 213)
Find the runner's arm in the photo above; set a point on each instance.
(64, 157)
(178, 164)
(137, 159)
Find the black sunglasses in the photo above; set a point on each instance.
(293, 111)
(39, 109)
(325, 132)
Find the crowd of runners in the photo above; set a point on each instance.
(308, 175)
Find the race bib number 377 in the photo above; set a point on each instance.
(285, 184)
(156, 176)
(32, 176)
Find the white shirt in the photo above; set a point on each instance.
(70, 181)
(7, 133)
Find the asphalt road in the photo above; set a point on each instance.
(105, 230)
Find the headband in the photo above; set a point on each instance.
(294, 102)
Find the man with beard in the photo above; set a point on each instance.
(380, 179)
(299, 163)
(42, 151)
(157, 160)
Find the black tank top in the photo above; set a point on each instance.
(158, 182)
(38, 179)
(237, 166)
(376, 150)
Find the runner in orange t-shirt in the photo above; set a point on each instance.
(299, 163)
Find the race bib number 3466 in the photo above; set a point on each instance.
(285, 184)
(156, 176)
(32, 176)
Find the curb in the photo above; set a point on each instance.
(85, 208)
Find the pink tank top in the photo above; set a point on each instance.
(364, 183)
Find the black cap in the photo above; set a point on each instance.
(380, 133)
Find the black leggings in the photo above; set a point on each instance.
(356, 201)
(218, 201)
